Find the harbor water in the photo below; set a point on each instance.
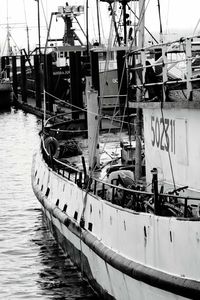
(32, 265)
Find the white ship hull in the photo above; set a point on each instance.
(124, 254)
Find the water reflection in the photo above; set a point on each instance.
(58, 277)
(32, 265)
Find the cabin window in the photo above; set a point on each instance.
(61, 54)
(57, 202)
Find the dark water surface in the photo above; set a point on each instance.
(32, 266)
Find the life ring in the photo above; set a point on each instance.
(52, 146)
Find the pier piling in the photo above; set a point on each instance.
(48, 81)
(75, 82)
(122, 79)
(37, 81)
(94, 56)
(14, 80)
(23, 79)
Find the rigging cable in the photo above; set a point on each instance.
(145, 26)
(114, 22)
(196, 26)
(84, 109)
(45, 18)
(159, 13)
(93, 27)
(102, 27)
(87, 28)
(94, 141)
(27, 30)
(169, 156)
(161, 106)
(167, 19)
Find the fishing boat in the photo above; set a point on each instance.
(125, 207)
(5, 80)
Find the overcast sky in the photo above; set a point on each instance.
(176, 15)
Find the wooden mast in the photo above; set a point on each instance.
(98, 22)
(138, 162)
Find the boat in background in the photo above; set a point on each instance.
(125, 203)
(5, 92)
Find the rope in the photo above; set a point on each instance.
(170, 161)
(45, 18)
(85, 110)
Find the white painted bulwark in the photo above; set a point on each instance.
(172, 134)
(93, 128)
(128, 253)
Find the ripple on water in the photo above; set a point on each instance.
(32, 264)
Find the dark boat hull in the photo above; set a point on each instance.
(5, 95)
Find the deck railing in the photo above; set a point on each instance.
(134, 198)
(168, 70)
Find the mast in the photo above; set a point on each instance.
(9, 50)
(87, 29)
(38, 18)
(28, 43)
(124, 2)
(115, 25)
(27, 30)
(97, 6)
(138, 161)
(161, 31)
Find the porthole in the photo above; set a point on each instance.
(47, 192)
(75, 215)
(65, 208)
(90, 226)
